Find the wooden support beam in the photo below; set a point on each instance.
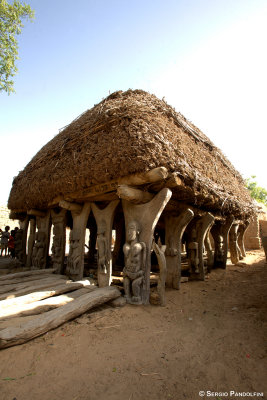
(94, 192)
(242, 230)
(235, 252)
(174, 229)
(70, 206)
(198, 229)
(36, 213)
(140, 222)
(133, 195)
(219, 232)
(104, 220)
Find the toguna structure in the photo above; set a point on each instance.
(135, 169)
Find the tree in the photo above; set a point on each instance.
(11, 16)
(258, 193)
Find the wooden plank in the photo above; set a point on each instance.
(31, 289)
(52, 319)
(42, 306)
(27, 273)
(53, 291)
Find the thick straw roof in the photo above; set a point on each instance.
(126, 133)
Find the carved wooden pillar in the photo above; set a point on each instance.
(120, 233)
(21, 239)
(42, 238)
(75, 262)
(31, 240)
(104, 221)
(242, 230)
(174, 229)
(199, 228)
(233, 245)
(59, 239)
(92, 240)
(142, 218)
(219, 233)
(208, 248)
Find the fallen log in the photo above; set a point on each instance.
(37, 281)
(52, 319)
(39, 307)
(27, 273)
(54, 290)
(29, 279)
(25, 289)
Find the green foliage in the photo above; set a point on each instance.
(11, 16)
(258, 193)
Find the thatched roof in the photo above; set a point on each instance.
(126, 133)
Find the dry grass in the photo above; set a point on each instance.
(129, 132)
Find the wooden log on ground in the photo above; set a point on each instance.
(14, 288)
(45, 305)
(28, 279)
(27, 273)
(44, 294)
(52, 319)
(21, 291)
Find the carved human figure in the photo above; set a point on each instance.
(102, 247)
(38, 256)
(193, 253)
(135, 260)
(74, 257)
(57, 244)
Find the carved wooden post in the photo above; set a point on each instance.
(160, 250)
(31, 240)
(209, 251)
(197, 234)
(92, 240)
(75, 262)
(104, 220)
(42, 238)
(174, 229)
(21, 239)
(233, 245)
(242, 230)
(59, 239)
(142, 218)
(120, 234)
(219, 233)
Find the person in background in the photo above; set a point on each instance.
(4, 240)
(11, 244)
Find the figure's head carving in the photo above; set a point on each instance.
(133, 230)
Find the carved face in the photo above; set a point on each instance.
(132, 231)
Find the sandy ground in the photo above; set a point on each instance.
(209, 337)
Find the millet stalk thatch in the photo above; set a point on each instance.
(127, 133)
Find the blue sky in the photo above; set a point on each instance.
(207, 58)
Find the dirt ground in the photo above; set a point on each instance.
(209, 337)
